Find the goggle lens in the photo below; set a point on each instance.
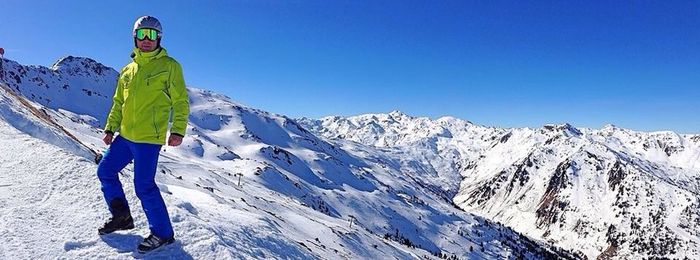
(141, 34)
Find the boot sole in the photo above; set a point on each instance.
(122, 228)
(157, 248)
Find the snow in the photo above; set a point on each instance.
(504, 174)
(13, 111)
(299, 196)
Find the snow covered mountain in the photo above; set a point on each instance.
(610, 193)
(245, 184)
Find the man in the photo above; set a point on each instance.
(148, 89)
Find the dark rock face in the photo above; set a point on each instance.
(695, 138)
(551, 206)
(488, 189)
(616, 175)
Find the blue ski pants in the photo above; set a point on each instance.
(145, 157)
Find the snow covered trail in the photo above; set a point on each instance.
(51, 206)
(43, 197)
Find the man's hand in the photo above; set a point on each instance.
(108, 138)
(174, 140)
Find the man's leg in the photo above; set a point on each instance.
(115, 159)
(145, 162)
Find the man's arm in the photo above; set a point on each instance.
(180, 100)
(114, 118)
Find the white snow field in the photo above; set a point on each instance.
(245, 184)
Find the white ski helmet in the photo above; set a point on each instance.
(148, 22)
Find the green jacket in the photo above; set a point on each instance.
(147, 90)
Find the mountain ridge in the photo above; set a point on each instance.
(540, 177)
(302, 196)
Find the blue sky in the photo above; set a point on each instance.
(635, 64)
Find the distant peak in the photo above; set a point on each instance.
(80, 65)
(610, 127)
(398, 113)
(453, 119)
(330, 118)
(73, 60)
(566, 128)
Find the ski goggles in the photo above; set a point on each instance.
(142, 33)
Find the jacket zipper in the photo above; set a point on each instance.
(148, 79)
(131, 94)
(166, 95)
(154, 122)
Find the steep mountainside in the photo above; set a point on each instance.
(606, 192)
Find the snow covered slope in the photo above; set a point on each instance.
(79, 85)
(244, 184)
(608, 192)
(33, 119)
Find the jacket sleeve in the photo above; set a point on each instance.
(114, 118)
(180, 100)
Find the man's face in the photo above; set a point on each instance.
(146, 45)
